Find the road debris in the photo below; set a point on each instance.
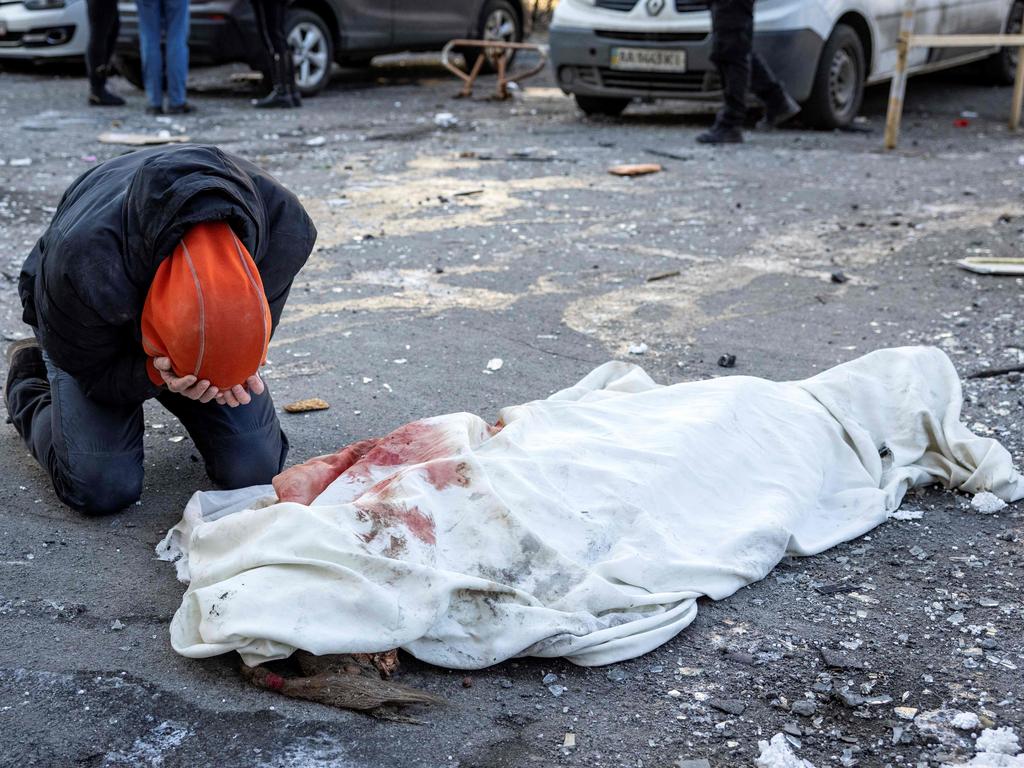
(663, 275)
(987, 503)
(727, 361)
(142, 139)
(569, 741)
(445, 120)
(638, 349)
(494, 364)
(635, 169)
(309, 404)
(778, 754)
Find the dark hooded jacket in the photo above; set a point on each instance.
(84, 284)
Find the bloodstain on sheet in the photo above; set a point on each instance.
(392, 520)
(304, 482)
(381, 460)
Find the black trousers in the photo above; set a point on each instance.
(270, 21)
(740, 69)
(93, 451)
(104, 23)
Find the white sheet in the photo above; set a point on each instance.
(586, 528)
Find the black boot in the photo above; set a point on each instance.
(778, 111)
(721, 134)
(99, 96)
(24, 361)
(279, 97)
(293, 89)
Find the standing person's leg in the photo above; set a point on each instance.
(241, 446)
(779, 106)
(270, 19)
(150, 33)
(103, 28)
(279, 18)
(92, 451)
(732, 34)
(177, 20)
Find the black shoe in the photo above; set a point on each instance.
(778, 113)
(24, 361)
(721, 134)
(101, 97)
(279, 98)
(181, 109)
(295, 96)
(151, 110)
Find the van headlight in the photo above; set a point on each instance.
(43, 5)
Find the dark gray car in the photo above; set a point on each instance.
(320, 32)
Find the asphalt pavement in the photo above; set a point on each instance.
(445, 242)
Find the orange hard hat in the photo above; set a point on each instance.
(206, 309)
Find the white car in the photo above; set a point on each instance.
(608, 52)
(43, 29)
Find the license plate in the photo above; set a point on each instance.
(649, 59)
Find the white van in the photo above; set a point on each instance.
(608, 52)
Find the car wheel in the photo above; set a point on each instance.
(312, 51)
(839, 82)
(498, 21)
(130, 69)
(1001, 67)
(601, 105)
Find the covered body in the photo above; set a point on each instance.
(586, 526)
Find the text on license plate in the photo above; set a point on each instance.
(649, 59)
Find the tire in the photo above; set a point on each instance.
(839, 82)
(312, 50)
(498, 21)
(130, 68)
(601, 105)
(1001, 68)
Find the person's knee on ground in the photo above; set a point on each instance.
(99, 485)
(253, 461)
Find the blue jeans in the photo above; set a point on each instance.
(93, 451)
(164, 21)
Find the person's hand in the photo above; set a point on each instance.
(239, 394)
(186, 386)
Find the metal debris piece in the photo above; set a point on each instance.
(727, 361)
(498, 53)
(988, 265)
(309, 404)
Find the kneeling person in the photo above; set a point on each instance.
(162, 275)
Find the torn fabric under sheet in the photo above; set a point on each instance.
(586, 527)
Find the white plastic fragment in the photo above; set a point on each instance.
(906, 514)
(316, 141)
(778, 754)
(21, 162)
(996, 748)
(495, 363)
(987, 503)
(966, 721)
(445, 119)
(638, 349)
(1002, 741)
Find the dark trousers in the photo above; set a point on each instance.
(93, 451)
(270, 23)
(732, 38)
(104, 23)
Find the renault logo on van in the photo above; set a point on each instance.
(654, 7)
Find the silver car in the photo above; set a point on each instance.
(43, 29)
